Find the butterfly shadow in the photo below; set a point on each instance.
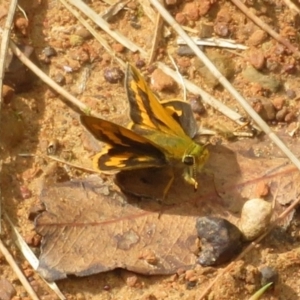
(146, 188)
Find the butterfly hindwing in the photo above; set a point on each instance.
(124, 148)
(182, 112)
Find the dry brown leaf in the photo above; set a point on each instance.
(89, 228)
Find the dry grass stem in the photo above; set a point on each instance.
(59, 161)
(5, 35)
(214, 42)
(113, 10)
(157, 37)
(292, 6)
(9, 258)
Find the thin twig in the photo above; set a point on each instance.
(23, 12)
(265, 27)
(292, 6)
(157, 37)
(4, 46)
(247, 107)
(214, 42)
(253, 245)
(59, 160)
(9, 258)
(5, 39)
(85, 9)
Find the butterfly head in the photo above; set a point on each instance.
(194, 159)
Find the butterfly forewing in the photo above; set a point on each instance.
(145, 108)
(125, 149)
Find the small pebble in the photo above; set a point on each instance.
(223, 15)
(183, 62)
(118, 47)
(268, 274)
(221, 29)
(130, 278)
(7, 94)
(204, 7)
(255, 218)
(290, 94)
(262, 189)
(79, 55)
(221, 61)
(140, 63)
(60, 79)
(278, 103)
(206, 29)
(49, 51)
(196, 105)
(190, 10)
(25, 192)
(113, 75)
(186, 51)
(21, 25)
(289, 117)
(76, 40)
(265, 81)
(289, 68)
(7, 290)
(180, 18)
(257, 37)
(161, 81)
(257, 59)
(272, 65)
(107, 287)
(84, 33)
(280, 115)
(279, 49)
(220, 240)
(135, 25)
(191, 275)
(28, 272)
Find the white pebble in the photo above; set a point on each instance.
(255, 218)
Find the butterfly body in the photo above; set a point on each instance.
(160, 135)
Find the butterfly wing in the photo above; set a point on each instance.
(182, 112)
(145, 108)
(125, 149)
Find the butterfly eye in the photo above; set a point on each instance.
(189, 160)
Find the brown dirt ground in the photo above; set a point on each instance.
(42, 117)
